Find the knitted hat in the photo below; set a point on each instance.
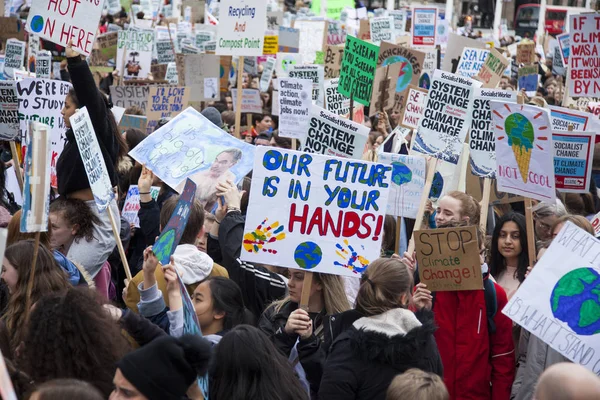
(213, 115)
(165, 368)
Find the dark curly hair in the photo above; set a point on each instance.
(49, 278)
(78, 214)
(70, 335)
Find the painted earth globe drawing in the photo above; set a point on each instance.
(401, 174)
(575, 300)
(520, 130)
(406, 71)
(308, 255)
(37, 23)
(437, 185)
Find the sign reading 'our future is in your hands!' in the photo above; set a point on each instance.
(241, 30)
(65, 21)
(315, 213)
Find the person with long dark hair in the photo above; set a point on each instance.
(248, 367)
(71, 176)
(509, 257)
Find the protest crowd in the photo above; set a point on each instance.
(287, 200)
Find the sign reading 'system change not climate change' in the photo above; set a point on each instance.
(242, 25)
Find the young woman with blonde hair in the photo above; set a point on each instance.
(300, 334)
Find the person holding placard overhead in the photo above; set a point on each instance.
(71, 176)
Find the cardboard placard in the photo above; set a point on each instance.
(382, 29)
(294, 107)
(288, 212)
(415, 104)
(107, 44)
(493, 69)
(358, 70)
(471, 62)
(250, 101)
(128, 96)
(133, 122)
(131, 206)
(11, 28)
(267, 74)
(528, 79)
(134, 53)
(202, 76)
(584, 58)
(448, 258)
(165, 102)
(526, 53)
(333, 61)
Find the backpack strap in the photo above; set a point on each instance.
(491, 304)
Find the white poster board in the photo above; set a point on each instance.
(241, 29)
(407, 183)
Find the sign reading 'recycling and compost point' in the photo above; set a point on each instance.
(241, 30)
(316, 213)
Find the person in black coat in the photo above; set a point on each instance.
(385, 338)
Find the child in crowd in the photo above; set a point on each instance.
(415, 384)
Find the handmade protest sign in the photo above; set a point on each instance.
(107, 44)
(187, 146)
(564, 119)
(430, 64)
(132, 204)
(285, 62)
(267, 74)
(573, 152)
(492, 69)
(334, 101)
(250, 101)
(557, 301)
(164, 51)
(423, 26)
(33, 46)
(443, 126)
(64, 22)
(336, 34)
(289, 40)
(333, 61)
(36, 185)
(11, 28)
(241, 28)
(14, 57)
(584, 59)
(91, 155)
(448, 258)
(202, 76)
(313, 35)
(316, 213)
(133, 122)
(294, 107)
(134, 52)
(415, 103)
(411, 65)
(382, 95)
(565, 46)
(594, 108)
(333, 8)
(315, 74)
(558, 68)
(43, 64)
(528, 79)
(523, 150)
(129, 96)
(332, 135)
(399, 17)
(471, 62)
(407, 183)
(526, 53)
(358, 70)
(382, 29)
(482, 145)
(456, 44)
(9, 110)
(165, 102)
(42, 100)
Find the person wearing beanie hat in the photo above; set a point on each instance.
(213, 115)
(165, 369)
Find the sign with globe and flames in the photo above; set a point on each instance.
(559, 302)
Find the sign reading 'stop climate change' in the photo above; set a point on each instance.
(242, 26)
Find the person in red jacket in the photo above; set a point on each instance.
(474, 338)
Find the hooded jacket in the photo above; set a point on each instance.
(365, 358)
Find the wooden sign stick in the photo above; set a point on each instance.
(485, 202)
(530, 231)
(16, 164)
(385, 87)
(119, 244)
(351, 104)
(306, 287)
(431, 167)
(122, 80)
(32, 275)
(238, 100)
(398, 234)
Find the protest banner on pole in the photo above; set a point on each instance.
(9, 110)
(332, 135)
(165, 52)
(188, 144)
(492, 69)
(526, 53)
(529, 79)
(131, 206)
(446, 118)
(165, 102)
(382, 98)
(334, 101)
(294, 107)
(524, 151)
(314, 73)
(63, 22)
(129, 96)
(241, 28)
(565, 46)
(482, 145)
(202, 76)
(14, 57)
(407, 183)
(382, 29)
(267, 74)
(584, 58)
(134, 53)
(456, 44)
(36, 187)
(441, 272)
(43, 65)
(133, 122)
(415, 104)
(107, 44)
(251, 102)
(315, 201)
(471, 62)
(358, 70)
(560, 292)
(424, 26)
(333, 61)
(573, 156)
(42, 100)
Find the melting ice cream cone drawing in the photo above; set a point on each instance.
(520, 137)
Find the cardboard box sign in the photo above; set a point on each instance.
(448, 259)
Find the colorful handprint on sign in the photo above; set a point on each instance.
(264, 234)
(351, 259)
